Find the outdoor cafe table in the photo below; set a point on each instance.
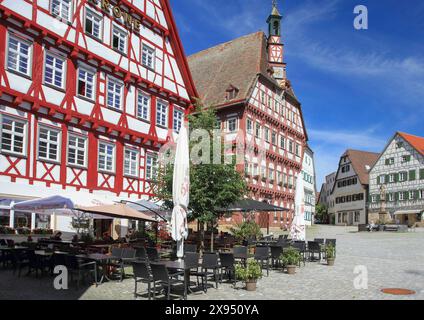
(182, 266)
(5, 249)
(99, 259)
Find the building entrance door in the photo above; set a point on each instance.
(351, 218)
(101, 227)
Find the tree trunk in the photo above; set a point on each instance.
(202, 236)
(212, 235)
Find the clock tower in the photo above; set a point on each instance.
(275, 46)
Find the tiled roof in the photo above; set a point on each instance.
(362, 162)
(236, 63)
(415, 141)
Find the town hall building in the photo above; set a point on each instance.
(245, 80)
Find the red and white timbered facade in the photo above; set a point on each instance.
(89, 92)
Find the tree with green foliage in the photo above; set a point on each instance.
(212, 185)
(321, 212)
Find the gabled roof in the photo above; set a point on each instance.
(237, 63)
(415, 141)
(360, 161)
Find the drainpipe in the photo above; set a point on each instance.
(367, 196)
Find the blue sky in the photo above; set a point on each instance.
(357, 88)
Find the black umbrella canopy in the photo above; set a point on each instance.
(249, 205)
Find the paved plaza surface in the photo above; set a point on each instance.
(392, 260)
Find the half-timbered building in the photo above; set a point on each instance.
(397, 182)
(89, 92)
(245, 81)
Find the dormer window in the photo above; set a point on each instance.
(231, 92)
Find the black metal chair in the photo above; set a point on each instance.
(301, 246)
(262, 256)
(314, 248)
(165, 280)
(240, 254)
(3, 243)
(227, 266)
(209, 262)
(142, 274)
(127, 258)
(191, 260)
(140, 253)
(153, 254)
(21, 260)
(80, 268)
(276, 252)
(190, 248)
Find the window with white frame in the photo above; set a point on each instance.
(86, 83)
(131, 162)
(106, 157)
(411, 195)
(77, 146)
(19, 55)
(274, 138)
(401, 196)
(143, 106)
(402, 176)
(62, 9)
(93, 24)
(249, 126)
(382, 179)
(391, 178)
(148, 57)
(114, 93)
(266, 134)
(178, 120)
(161, 113)
(13, 135)
(282, 142)
(232, 125)
(391, 197)
(48, 144)
(151, 166)
(258, 130)
(119, 39)
(297, 150)
(290, 146)
(54, 70)
(421, 194)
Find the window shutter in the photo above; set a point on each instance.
(387, 178)
(396, 196)
(422, 174)
(408, 158)
(412, 175)
(378, 180)
(396, 177)
(405, 195)
(387, 162)
(416, 194)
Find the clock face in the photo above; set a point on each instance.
(278, 73)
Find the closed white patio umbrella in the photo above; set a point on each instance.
(181, 191)
(298, 228)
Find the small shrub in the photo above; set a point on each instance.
(290, 257)
(251, 272)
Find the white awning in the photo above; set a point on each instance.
(405, 212)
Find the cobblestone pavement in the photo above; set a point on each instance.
(393, 260)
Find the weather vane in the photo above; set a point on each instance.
(274, 3)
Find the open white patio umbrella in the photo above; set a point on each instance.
(298, 228)
(181, 191)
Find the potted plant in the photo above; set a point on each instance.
(290, 258)
(249, 273)
(330, 254)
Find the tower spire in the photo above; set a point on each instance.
(275, 11)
